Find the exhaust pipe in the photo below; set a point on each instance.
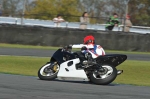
(119, 72)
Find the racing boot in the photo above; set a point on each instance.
(89, 61)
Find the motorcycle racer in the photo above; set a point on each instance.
(89, 46)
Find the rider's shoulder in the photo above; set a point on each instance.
(98, 46)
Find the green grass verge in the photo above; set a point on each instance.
(27, 46)
(21, 64)
(55, 48)
(135, 72)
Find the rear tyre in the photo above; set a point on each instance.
(49, 71)
(103, 78)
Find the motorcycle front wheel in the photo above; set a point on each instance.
(103, 77)
(49, 71)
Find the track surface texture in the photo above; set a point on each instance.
(48, 53)
(28, 87)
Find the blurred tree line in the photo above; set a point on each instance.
(71, 10)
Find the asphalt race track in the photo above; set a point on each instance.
(30, 87)
(27, 87)
(48, 53)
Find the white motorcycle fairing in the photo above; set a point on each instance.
(68, 70)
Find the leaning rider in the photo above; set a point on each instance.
(89, 46)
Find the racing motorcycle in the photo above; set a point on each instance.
(66, 64)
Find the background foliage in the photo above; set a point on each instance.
(71, 10)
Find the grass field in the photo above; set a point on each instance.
(26, 46)
(135, 72)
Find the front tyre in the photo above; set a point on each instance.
(49, 71)
(103, 78)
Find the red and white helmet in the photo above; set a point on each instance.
(89, 39)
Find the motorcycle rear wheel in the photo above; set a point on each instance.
(49, 71)
(103, 78)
